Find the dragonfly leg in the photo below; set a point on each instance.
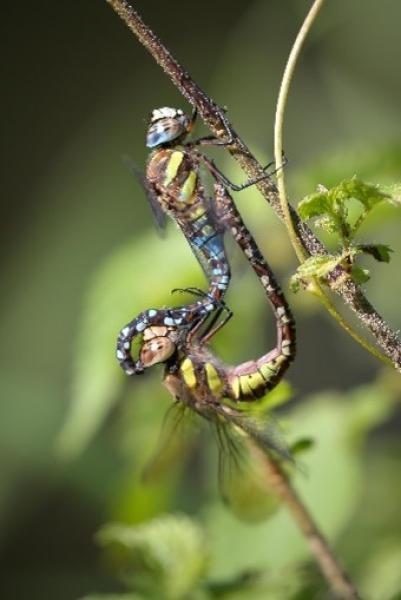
(212, 329)
(210, 140)
(220, 177)
(191, 290)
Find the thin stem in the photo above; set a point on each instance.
(279, 124)
(329, 566)
(215, 118)
(296, 241)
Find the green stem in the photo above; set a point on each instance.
(279, 123)
(295, 239)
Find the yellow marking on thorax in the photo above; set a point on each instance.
(188, 187)
(172, 167)
(188, 372)
(214, 381)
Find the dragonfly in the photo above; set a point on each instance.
(174, 187)
(200, 382)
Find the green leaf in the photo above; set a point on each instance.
(393, 191)
(318, 266)
(367, 194)
(380, 252)
(360, 275)
(331, 205)
(315, 205)
(166, 557)
(327, 223)
(314, 266)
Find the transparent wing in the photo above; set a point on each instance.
(243, 441)
(158, 214)
(262, 429)
(177, 434)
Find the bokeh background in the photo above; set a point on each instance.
(81, 257)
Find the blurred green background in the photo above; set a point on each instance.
(81, 257)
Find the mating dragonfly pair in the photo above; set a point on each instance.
(178, 337)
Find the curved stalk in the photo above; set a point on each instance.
(279, 123)
(295, 239)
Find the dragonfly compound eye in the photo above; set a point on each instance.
(156, 350)
(166, 124)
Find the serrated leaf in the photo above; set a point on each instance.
(380, 252)
(393, 191)
(366, 193)
(360, 275)
(331, 205)
(327, 223)
(318, 266)
(314, 205)
(166, 557)
(314, 266)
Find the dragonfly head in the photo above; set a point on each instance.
(167, 125)
(158, 346)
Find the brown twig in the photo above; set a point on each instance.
(329, 565)
(216, 119)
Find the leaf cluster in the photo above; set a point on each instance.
(341, 211)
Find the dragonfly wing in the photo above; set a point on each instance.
(242, 478)
(262, 429)
(158, 214)
(177, 433)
